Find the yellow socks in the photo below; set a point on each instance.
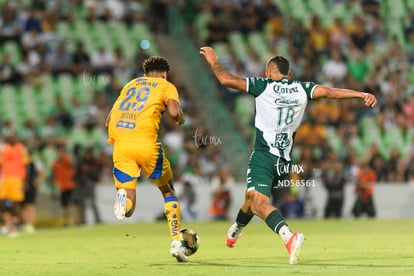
(172, 212)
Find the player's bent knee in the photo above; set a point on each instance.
(255, 208)
(258, 204)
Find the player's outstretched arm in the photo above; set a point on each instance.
(223, 76)
(175, 111)
(322, 91)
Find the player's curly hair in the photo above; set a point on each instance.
(281, 63)
(156, 63)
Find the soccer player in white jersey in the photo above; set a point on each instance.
(280, 105)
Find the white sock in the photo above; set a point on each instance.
(285, 233)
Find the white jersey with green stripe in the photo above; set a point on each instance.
(280, 105)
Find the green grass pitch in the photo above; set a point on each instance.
(344, 247)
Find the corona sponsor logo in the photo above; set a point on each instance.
(279, 89)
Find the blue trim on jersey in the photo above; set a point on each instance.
(158, 167)
(170, 198)
(121, 176)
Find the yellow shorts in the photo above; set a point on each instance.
(130, 158)
(12, 188)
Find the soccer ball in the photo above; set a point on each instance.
(189, 241)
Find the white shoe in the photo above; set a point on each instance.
(4, 230)
(233, 235)
(28, 228)
(177, 252)
(120, 204)
(293, 247)
(13, 234)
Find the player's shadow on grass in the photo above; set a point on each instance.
(252, 263)
(353, 263)
(197, 263)
(255, 263)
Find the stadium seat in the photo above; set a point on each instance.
(201, 24)
(299, 10)
(11, 47)
(396, 138)
(338, 9)
(358, 146)
(283, 5)
(221, 49)
(244, 107)
(118, 33)
(65, 87)
(319, 8)
(238, 44)
(79, 136)
(409, 5)
(396, 9)
(63, 29)
(141, 31)
(334, 139)
(258, 43)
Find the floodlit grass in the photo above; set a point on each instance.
(344, 247)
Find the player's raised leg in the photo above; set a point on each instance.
(124, 205)
(125, 184)
(243, 218)
(120, 204)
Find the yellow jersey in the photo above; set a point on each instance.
(138, 110)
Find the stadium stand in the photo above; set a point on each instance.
(371, 33)
(48, 107)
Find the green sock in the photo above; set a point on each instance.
(275, 221)
(243, 219)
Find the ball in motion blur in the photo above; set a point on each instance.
(189, 241)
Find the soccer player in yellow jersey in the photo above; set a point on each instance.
(133, 126)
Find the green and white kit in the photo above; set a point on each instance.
(280, 106)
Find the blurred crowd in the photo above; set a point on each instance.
(33, 28)
(358, 52)
(69, 146)
(337, 138)
(359, 49)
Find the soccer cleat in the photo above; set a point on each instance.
(233, 235)
(120, 204)
(177, 252)
(5, 229)
(293, 247)
(29, 229)
(13, 234)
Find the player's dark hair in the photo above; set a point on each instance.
(281, 63)
(155, 63)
